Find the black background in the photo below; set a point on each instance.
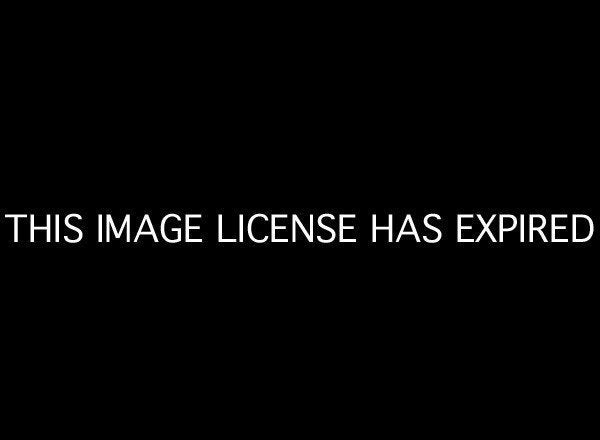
(386, 112)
